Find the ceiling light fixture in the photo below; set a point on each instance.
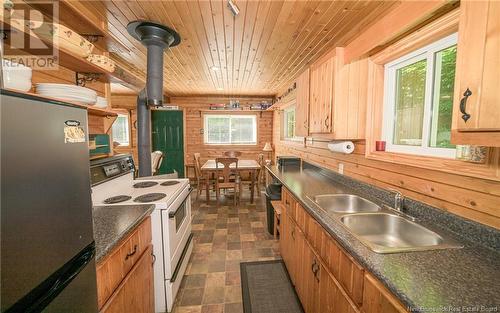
(214, 68)
(220, 88)
(233, 7)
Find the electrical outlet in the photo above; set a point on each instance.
(341, 168)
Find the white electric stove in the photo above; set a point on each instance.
(113, 184)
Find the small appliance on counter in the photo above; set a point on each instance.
(113, 184)
(288, 161)
(47, 250)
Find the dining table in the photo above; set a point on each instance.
(250, 166)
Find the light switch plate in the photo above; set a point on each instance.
(341, 168)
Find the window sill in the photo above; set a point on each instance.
(453, 166)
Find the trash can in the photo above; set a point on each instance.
(273, 192)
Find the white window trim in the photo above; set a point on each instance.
(229, 116)
(285, 122)
(426, 52)
(127, 129)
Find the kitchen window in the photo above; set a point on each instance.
(289, 123)
(121, 130)
(230, 129)
(418, 100)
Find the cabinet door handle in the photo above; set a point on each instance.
(293, 233)
(326, 122)
(130, 254)
(153, 256)
(463, 105)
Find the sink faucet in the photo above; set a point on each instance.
(399, 200)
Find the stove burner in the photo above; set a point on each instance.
(145, 184)
(150, 197)
(117, 199)
(170, 183)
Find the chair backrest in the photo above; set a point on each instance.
(260, 160)
(225, 171)
(197, 165)
(232, 154)
(156, 159)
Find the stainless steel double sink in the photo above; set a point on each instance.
(381, 229)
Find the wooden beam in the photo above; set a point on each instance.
(401, 19)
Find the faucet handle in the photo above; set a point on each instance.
(398, 193)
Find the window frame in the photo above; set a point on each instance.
(227, 115)
(425, 53)
(129, 129)
(285, 122)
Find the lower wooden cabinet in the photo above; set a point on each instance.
(125, 276)
(326, 277)
(377, 299)
(135, 293)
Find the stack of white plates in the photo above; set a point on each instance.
(67, 92)
(16, 76)
(101, 102)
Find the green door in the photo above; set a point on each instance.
(168, 137)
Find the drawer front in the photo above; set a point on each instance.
(113, 269)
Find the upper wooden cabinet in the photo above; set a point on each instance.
(338, 97)
(477, 91)
(302, 105)
(322, 94)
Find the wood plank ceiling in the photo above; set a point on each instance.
(259, 52)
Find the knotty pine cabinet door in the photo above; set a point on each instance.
(476, 106)
(377, 299)
(321, 96)
(302, 105)
(309, 280)
(135, 293)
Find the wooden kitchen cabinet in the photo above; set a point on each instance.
(476, 106)
(302, 105)
(338, 97)
(331, 297)
(118, 265)
(349, 111)
(325, 276)
(321, 99)
(377, 299)
(309, 283)
(135, 293)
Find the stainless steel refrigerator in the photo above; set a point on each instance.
(47, 245)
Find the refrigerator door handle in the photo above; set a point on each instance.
(43, 294)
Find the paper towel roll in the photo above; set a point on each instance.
(346, 147)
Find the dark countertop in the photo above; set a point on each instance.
(113, 223)
(429, 281)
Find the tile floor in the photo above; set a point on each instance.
(224, 236)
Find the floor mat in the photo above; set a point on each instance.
(267, 288)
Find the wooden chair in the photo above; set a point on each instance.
(156, 160)
(227, 177)
(261, 172)
(232, 154)
(201, 181)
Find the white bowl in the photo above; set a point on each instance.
(15, 79)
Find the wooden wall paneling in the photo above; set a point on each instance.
(400, 19)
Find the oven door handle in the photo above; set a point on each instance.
(172, 214)
(181, 260)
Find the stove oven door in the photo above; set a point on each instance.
(178, 229)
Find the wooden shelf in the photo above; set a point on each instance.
(85, 26)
